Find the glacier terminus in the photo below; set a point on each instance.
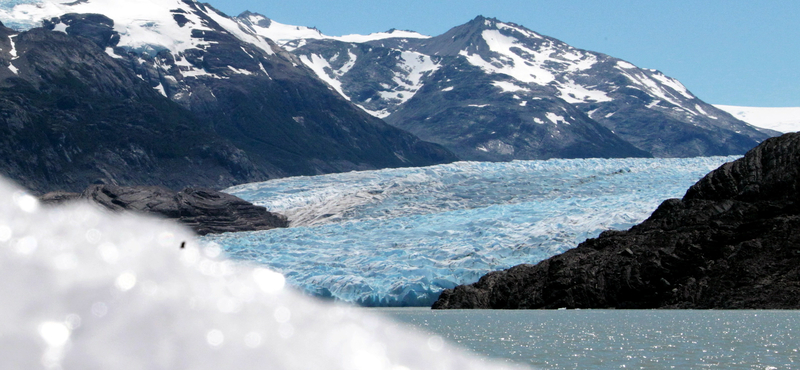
(398, 237)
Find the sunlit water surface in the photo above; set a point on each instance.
(619, 339)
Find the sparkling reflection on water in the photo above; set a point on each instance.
(619, 339)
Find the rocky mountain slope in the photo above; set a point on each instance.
(240, 99)
(172, 93)
(731, 242)
(494, 90)
(71, 114)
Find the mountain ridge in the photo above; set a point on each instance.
(274, 115)
(305, 103)
(655, 113)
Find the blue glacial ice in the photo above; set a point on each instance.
(398, 237)
(15, 19)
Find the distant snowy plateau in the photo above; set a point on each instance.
(398, 237)
(782, 119)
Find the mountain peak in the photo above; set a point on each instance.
(143, 25)
(481, 22)
(483, 19)
(488, 72)
(255, 18)
(393, 31)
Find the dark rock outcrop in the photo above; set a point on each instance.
(205, 211)
(732, 242)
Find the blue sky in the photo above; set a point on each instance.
(735, 52)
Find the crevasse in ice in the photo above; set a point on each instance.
(9, 19)
(398, 237)
(85, 289)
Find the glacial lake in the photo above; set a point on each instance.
(617, 339)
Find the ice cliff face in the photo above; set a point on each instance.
(86, 289)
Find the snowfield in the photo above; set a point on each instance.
(779, 119)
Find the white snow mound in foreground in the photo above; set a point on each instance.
(86, 289)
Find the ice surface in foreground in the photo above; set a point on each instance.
(85, 289)
(400, 236)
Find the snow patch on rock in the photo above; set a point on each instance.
(323, 70)
(574, 93)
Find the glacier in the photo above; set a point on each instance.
(84, 288)
(398, 237)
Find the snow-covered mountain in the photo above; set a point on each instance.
(782, 119)
(288, 96)
(275, 117)
(495, 90)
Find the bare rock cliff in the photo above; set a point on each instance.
(732, 242)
